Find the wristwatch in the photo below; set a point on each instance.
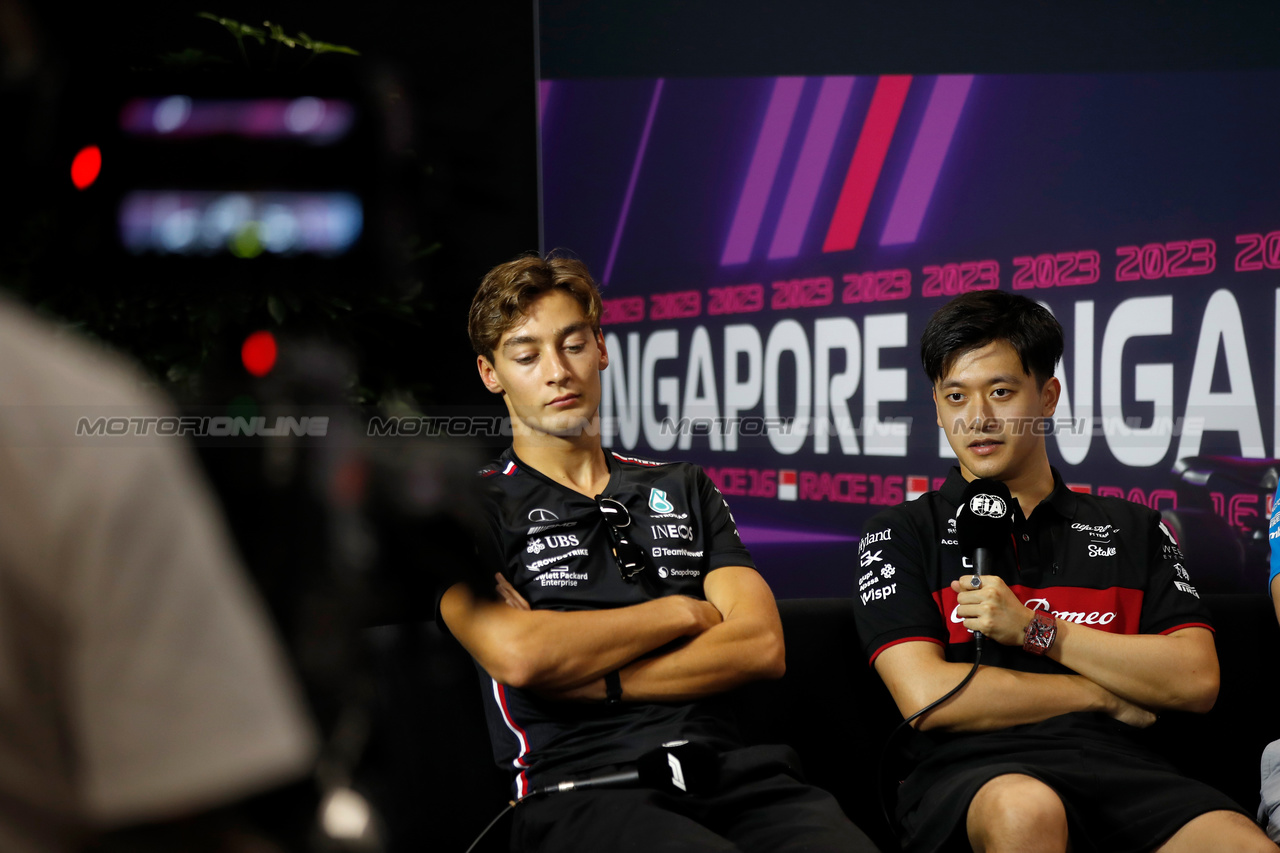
(1040, 632)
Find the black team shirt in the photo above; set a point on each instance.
(1102, 562)
(551, 543)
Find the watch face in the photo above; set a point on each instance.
(1040, 634)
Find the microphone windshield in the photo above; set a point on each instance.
(680, 767)
(985, 516)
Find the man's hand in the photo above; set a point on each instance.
(991, 609)
(1130, 714)
(508, 593)
(1176, 671)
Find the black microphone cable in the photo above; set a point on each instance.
(983, 519)
(511, 804)
(882, 767)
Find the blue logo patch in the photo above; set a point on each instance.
(658, 501)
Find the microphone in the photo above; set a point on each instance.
(677, 767)
(984, 522)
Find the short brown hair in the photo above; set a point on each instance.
(507, 290)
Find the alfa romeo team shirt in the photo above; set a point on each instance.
(552, 544)
(1102, 562)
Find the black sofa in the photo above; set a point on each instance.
(837, 714)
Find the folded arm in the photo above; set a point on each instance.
(746, 646)
(552, 650)
(1177, 671)
(917, 673)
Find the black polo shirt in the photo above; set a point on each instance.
(1103, 562)
(552, 545)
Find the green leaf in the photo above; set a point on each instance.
(277, 34)
(324, 46)
(236, 28)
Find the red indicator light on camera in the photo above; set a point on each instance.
(86, 166)
(259, 353)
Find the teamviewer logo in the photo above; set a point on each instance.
(787, 488)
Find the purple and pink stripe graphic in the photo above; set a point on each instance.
(862, 176)
(797, 159)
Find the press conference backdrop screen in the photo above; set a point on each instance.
(771, 248)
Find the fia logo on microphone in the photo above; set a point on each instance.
(987, 505)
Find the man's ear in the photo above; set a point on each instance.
(604, 351)
(488, 375)
(1049, 396)
(937, 410)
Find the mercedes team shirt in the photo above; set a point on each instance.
(551, 543)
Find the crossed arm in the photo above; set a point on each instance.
(1129, 676)
(733, 637)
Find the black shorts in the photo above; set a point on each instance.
(1118, 796)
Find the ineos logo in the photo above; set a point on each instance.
(988, 505)
(541, 514)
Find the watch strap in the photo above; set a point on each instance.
(613, 687)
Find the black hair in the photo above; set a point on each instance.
(973, 320)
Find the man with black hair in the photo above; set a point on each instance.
(1092, 627)
(626, 607)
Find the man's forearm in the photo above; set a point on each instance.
(1174, 672)
(719, 659)
(997, 698)
(552, 650)
(1178, 671)
(747, 646)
